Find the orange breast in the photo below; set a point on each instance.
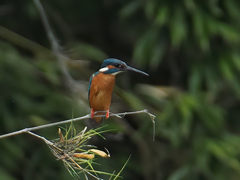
(101, 91)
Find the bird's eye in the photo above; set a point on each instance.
(119, 66)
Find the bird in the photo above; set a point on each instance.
(101, 86)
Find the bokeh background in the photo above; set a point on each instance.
(190, 48)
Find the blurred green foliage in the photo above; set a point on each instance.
(189, 48)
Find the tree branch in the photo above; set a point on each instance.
(119, 115)
(71, 83)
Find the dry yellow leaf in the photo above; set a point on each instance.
(83, 155)
(99, 152)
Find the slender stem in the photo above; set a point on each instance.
(55, 45)
(27, 130)
(40, 137)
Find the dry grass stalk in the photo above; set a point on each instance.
(76, 155)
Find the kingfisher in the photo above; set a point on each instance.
(101, 86)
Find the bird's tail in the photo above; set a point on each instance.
(98, 120)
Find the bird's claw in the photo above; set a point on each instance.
(92, 113)
(107, 114)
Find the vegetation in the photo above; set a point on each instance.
(189, 48)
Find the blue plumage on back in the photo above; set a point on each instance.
(90, 82)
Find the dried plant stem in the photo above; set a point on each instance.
(27, 130)
(40, 137)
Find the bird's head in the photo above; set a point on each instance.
(115, 66)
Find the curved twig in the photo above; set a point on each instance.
(119, 115)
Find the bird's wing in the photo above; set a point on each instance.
(89, 86)
(90, 83)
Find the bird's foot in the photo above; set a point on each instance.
(92, 113)
(107, 114)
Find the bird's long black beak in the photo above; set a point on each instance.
(129, 68)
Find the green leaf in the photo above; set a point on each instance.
(122, 168)
(228, 32)
(215, 7)
(129, 9)
(5, 175)
(195, 79)
(190, 5)
(162, 15)
(181, 173)
(150, 9)
(157, 55)
(232, 8)
(199, 24)
(144, 47)
(226, 69)
(178, 28)
(236, 61)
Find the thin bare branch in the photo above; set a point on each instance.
(119, 115)
(73, 85)
(40, 137)
(51, 37)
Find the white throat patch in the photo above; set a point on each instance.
(104, 69)
(116, 73)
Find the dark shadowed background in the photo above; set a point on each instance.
(190, 48)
